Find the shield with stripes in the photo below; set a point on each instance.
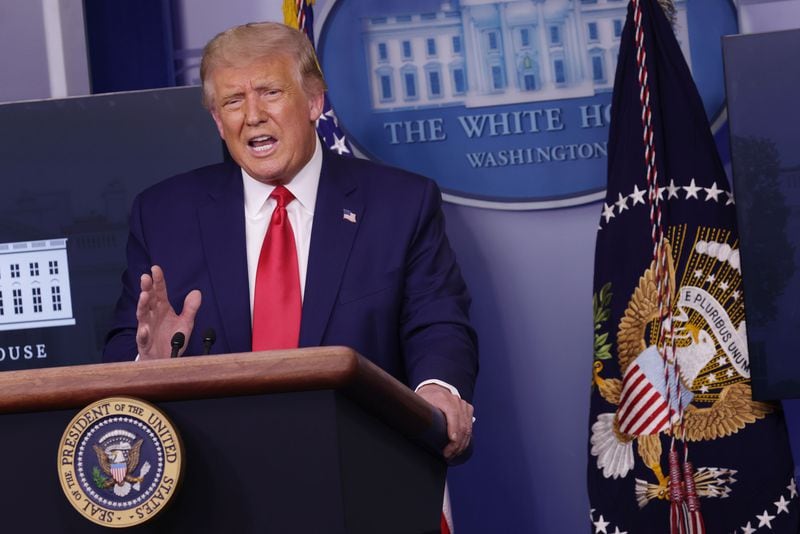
(646, 406)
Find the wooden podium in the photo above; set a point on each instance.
(315, 440)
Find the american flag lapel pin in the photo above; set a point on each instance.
(348, 215)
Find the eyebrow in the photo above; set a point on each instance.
(228, 95)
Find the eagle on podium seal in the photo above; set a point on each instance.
(120, 462)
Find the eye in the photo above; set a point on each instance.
(232, 103)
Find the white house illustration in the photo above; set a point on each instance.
(492, 52)
(34, 285)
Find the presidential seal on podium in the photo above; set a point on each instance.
(120, 462)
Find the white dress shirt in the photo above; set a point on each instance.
(258, 208)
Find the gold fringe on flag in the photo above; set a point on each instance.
(290, 13)
(290, 10)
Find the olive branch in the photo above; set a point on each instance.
(600, 306)
(98, 479)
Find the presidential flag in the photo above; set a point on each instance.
(677, 443)
(299, 14)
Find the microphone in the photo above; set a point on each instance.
(209, 337)
(178, 339)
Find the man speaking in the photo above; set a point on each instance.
(293, 246)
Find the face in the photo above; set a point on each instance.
(265, 117)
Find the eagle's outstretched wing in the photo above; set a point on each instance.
(102, 459)
(641, 310)
(133, 456)
(734, 409)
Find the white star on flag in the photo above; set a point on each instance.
(748, 529)
(691, 190)
(638, 195)
(765, 519)
(339, 145)
(622, 203)
(672, 189)
(608, 212)
(730, 198)
(792, 489)
(783, 505)
(600, 525)
(712, 192)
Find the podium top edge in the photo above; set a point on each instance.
(180, 378)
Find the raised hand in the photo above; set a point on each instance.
(158, 320)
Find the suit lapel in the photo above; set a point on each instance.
(331, 241)
(222, 230)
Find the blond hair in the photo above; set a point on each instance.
(257, 40)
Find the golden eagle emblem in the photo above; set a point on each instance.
(712, 387)
(118, 457)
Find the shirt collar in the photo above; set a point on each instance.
(303, 186)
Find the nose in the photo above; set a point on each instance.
(254, 114)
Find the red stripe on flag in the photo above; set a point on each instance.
(445, 527)
(632, 379)
(628, 403)
(640, 429)
(639, 408)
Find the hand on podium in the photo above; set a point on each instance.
(157, 320)
(458, 414)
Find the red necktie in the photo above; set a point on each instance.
(276, 305)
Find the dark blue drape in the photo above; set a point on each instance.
(130, 44)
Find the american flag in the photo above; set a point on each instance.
(645, 407)
(300, 14)
(348, 215)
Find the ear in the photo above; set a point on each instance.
(218, 122)
(316, 102)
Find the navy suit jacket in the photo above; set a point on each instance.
(387, 285)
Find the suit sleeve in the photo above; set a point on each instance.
(121, 339)
(438, 339)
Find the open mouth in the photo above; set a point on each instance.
(262, 143)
